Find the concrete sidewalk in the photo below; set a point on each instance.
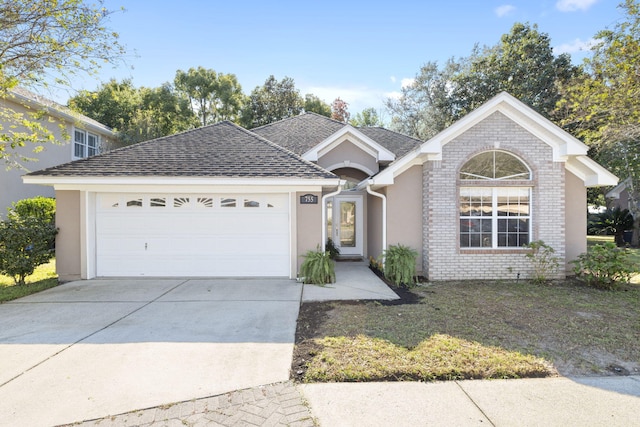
(566, 402)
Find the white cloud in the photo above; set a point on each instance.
(504, 10)
(573, 5)
(393, 95)
(406, 82)
(575, 46)
(393, 79)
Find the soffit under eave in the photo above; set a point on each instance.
(590, 172)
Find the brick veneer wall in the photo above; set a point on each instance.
(442, 257)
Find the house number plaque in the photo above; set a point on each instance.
(309, 199)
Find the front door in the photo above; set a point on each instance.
(344, 224)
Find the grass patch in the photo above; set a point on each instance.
(44, 277)
(441, 357)
(497, 324)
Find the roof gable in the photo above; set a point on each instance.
(222, 150)
(565, 147)
(353, 135)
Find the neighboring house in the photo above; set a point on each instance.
(618, 196)
(76, 137)
(224, 201)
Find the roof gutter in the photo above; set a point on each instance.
(384, 215)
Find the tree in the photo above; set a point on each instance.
(509, 66)
(440, 96)
(425, 107)
(213, 96)
(44, 40)
(313, 104)
(137, 114)
(339, 110)
(114, 103)
(25, 243)
(368, 117)
(275, 100)
(602, 105)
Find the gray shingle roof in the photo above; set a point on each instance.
(399, 144)
(220, 150)
(301, 133)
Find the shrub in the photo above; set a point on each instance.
(318, 268)
(545, 263)
(38, 207)
(400, 265)
(25, 243)
(333, 250)
(604, 266)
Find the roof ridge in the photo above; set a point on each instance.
(306, 113)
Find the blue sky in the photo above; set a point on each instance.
(361, 51)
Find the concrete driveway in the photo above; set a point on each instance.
(88, 349)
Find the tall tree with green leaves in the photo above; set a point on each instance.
(366, 118)
(273, 101)
(48, 41)
(213, 96)
(521, 63)
(602, 105)
(313, 104)
(137, 114)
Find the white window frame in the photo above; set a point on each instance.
(81, 142)
(495, 218)
(494, 185)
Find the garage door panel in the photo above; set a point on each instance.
(214, 241)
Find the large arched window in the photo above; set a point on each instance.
(495, 201)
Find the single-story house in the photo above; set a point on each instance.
(225, 201)
(75, 137)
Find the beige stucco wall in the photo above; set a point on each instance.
(404, 212)
(443, 258)
(576, 218)
(308, 226)
(11, 187)
(349, 152)
(68, 244)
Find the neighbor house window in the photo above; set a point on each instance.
(495, 202)
(85, 144)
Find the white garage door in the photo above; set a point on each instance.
(192, 235)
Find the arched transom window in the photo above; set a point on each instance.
(495, 201)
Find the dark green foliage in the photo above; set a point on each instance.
(333, 250)
(545, 263)
(604, 266)
(612, 222)
(37, 207)
(400, 265)
(25, 243)
(317, 268)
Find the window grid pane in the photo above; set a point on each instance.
(494, 217)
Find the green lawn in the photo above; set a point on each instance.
(44, 277)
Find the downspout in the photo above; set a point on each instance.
(324, 211)
(384, 215)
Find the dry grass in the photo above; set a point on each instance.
(576, 329)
